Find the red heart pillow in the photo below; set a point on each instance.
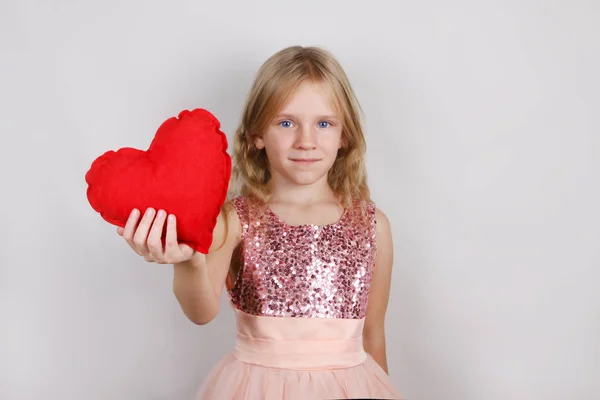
(185, 172)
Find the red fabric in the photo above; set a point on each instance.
(185, 172)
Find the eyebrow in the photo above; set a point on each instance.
(291, 116)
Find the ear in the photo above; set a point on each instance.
(259, 143)
(342, 141)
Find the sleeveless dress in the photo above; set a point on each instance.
(300, 301)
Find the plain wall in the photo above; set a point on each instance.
(483, 142)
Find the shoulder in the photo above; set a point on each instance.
(239, 204)
(381, 219)
(236, 210)
(384, 244)
(383, 229)
(228, 228)
(377, 215)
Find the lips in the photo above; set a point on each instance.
(304, 160)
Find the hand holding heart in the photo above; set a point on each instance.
(146, 238)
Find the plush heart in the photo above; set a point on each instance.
(185, 172)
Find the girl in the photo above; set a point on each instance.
(303, 253)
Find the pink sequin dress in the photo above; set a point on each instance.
(300, 302)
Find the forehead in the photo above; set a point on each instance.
(310, 98)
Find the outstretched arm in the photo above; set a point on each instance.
(198, 283)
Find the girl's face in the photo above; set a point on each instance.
(303, 140)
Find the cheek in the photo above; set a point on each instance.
(275, 148)
(334, 142)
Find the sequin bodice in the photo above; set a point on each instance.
(307, 270)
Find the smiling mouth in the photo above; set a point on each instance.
(304, 160)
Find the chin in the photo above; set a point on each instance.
(305, 178)
(302, 176)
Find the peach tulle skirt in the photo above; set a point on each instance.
(297, 358)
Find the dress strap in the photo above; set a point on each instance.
(371, 211)
(369, 221)
(242, 208)
(237, 266)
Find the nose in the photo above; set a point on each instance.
(306, 138)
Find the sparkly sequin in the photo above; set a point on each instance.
(304, 271)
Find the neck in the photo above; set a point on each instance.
(283, 191)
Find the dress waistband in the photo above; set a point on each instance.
(299, 343)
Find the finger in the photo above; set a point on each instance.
(120, 231)
(171, 245)
(130, 226)
(154, 241)
(186, 251)
(129, 229)
(148, 257)
(175, 252)
(141, 233)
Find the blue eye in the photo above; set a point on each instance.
(324, 124)
(285, 124)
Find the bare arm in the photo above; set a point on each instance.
(198, 282)
(374, 329)
(198, 279)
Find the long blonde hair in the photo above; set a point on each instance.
(274, 83)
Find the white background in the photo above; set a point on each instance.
(482, 123)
